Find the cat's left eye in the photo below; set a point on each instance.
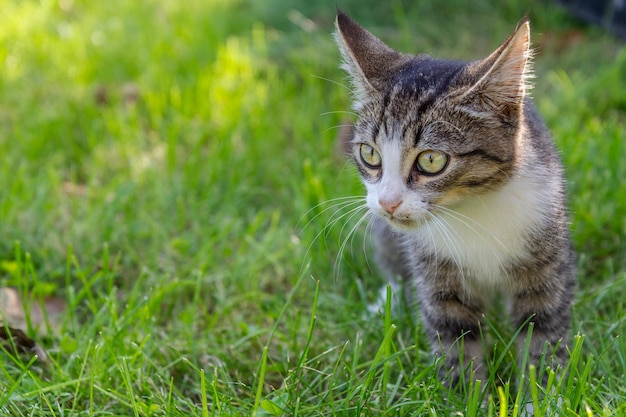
(432, 162)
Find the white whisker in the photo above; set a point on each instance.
(368, 231)
(334, 82)
(482, 233)
(348, 166)
(450, 242)
(445, 122)
(339, 112)
(434, 252)
(338, 202)
(350, 233)
(462, 217)
(336, 127)
(350, 214)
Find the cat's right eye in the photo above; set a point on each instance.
(370, 156)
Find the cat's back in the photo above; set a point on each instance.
(540, 139)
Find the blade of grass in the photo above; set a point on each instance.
(260, 381)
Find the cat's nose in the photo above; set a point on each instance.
(390, 204)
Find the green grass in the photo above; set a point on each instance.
(158, 164)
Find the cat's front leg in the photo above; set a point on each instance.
(547, 307)
(545, 303)
(390, 254)
(452, 322)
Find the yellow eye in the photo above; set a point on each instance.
(370, 156)
(432, 162)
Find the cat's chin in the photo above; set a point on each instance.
(403, 225)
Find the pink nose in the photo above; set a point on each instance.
(390, 205)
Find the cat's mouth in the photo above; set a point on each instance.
(403, 223)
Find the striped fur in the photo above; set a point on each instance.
(493, 221)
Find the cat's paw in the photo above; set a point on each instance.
(379, 306)
(550, 410)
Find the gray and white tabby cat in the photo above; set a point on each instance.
(466, 190)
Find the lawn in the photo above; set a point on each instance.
(171, 217)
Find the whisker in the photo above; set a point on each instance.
(462, 217)
(339, 201)
(334, 220)
(445, 122)
(450, 243)
(353, 212)
(328, 129)
(345, 241)
(434, 252)
(459, 217)
(368, 216)
(335, 216)
(334, 82)
(368, 230)
(339, 112)
(348, 166)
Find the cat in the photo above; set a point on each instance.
(466, 192)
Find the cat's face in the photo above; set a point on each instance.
(431, 133)
(418, 147)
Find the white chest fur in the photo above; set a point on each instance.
(486, 232)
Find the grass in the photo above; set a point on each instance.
(159, 161)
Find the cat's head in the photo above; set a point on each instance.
(433, 132)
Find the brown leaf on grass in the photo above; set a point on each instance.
(73, 189)
(17, 313)
(12, 310)
(128, 94)
(16, 341)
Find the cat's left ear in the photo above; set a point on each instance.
(502, 79)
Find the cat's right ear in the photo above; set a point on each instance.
(368, 61)
(502, 79)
